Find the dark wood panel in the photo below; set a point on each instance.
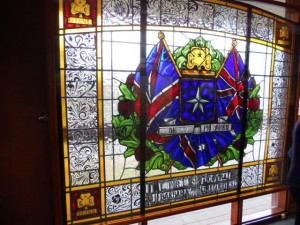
(26, 180)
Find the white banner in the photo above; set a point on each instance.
(192, 129)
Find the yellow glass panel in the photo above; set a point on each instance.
(103, 212)
(84, 187)
(80, 30)
(99, 12)
(63, 113)
(61, 52)
(86, 220)
(68, 206)
(61, 15)
(65, 144)
(67, 173)
(62, 81)
(240, 7)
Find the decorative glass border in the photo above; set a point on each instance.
(89, 195)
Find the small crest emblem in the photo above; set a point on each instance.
(80, 8)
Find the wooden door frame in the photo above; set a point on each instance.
(51, 12)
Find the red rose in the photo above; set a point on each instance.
(130, 80)
(148, 154)
(238, 144)
(126, 107)
(254, 104)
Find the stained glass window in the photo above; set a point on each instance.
(204, 113)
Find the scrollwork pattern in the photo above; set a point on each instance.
(84, 177)
(80, 58)
(174, 13)
(136, 195)
(81, 89)
(261, 27)
(252, 175)
(276, 129)
(275, 149)
(188, 13)
(282, 68)
(122, 198)
(83, 157)
(80, 40)
(242, 21)
(278, 113)
(279, 99)
(282, 56)
(201, 15)
(80, 75)
(83, 136)
(280, 82)
(82, 113)
(225, 19)
(153, 12)
(121, 12)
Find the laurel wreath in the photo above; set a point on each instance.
(126, 124)
(125, 131)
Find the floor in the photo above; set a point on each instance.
(286, 221)
(220, 215)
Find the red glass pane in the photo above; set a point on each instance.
(80, 13)
(85, 204)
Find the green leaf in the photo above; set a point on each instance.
(133, 136)
(154, 163)
(254, 119)
(224, 157)
(191, 43)
(181, 62)
(235, 153)
(250, 133)
(130, 143)
(220, 57)
(250, 141)
(215, 65)
(229, 154)
(135, 95)
(200, 42)
(126, 122)
(126, 92)
(163, 167)
(212, 161)
(121, 98)
(178, 165)
(177, 53)
(208, 45)
(166, 156)
(150, 145)
(254, 92)
(129, 152)
(124, 132)
(238, 137)
(116, 121)
(259, 114)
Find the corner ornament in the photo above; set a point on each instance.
(80, 7)
(273, 170)
(284, 36)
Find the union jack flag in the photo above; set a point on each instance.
(161, 90)
(230, 87)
